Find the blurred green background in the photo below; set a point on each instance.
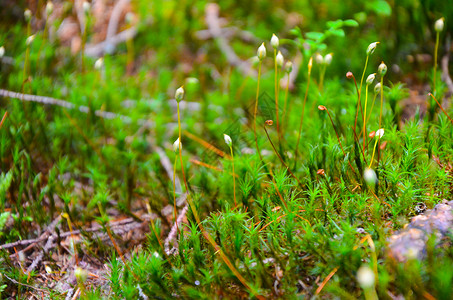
(167, 31)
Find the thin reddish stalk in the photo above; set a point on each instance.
(359, 103)
(200, 225)
(440, 106)
(3, 119)
(324, 282)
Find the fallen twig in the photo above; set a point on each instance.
(324, 282)
(49, 245)
(76, 294)
(174, 230)
(118, 227)
(39, 99)
(85, 109)
(43, 236)
(65, 104)
(23, 284)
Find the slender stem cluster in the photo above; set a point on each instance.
(179, 96)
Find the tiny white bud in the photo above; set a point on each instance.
(439, 25)
(261, 52)
(370, 79)
(274, 41)
(310, 65)
(27, 15)
(382, 69)
(48, 269)
(86, 7)
(49, 8)
(328, 59)
(319, 59)
(371, 48)
(81, 274)
(179, 94)
(228, 140)
(288, 66)
(99, 63)
(176, 145)
(379, 133)
(279, 59)
(370, 176)
(30, 40)
(365, 277)
(2, 51)
(377, 87)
